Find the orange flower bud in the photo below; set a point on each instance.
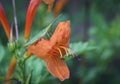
(4, 21)
(59, 6)
(11, 68)
(28, 53)
(50, 4)
(34, 4)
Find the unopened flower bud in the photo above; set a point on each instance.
(11, 46)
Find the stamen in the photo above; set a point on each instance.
(78, 58)
(66, 50)
(60, 52)
(74, 51)
(69, 51)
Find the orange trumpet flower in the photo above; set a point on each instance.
(6, 26)
(52, 51)
(34, 4)
(11, 70)
(50, 4)
(4, 21)
(59, 6)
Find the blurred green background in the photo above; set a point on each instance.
(94, 21)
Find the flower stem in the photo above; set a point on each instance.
(15, 19)
(24, 78)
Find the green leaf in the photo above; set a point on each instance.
(41, 33)
(29, 78)
(2, 52)
(98, 19)
(37, 66)
(80, 47)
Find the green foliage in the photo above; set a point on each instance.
(100, 63)
(82, 47)
(2, 52)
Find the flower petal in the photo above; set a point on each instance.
(40, 49)
(59, 6)
(50, 4)
(34, 4)
(58, 68)
(61, 35)
(4, 21)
